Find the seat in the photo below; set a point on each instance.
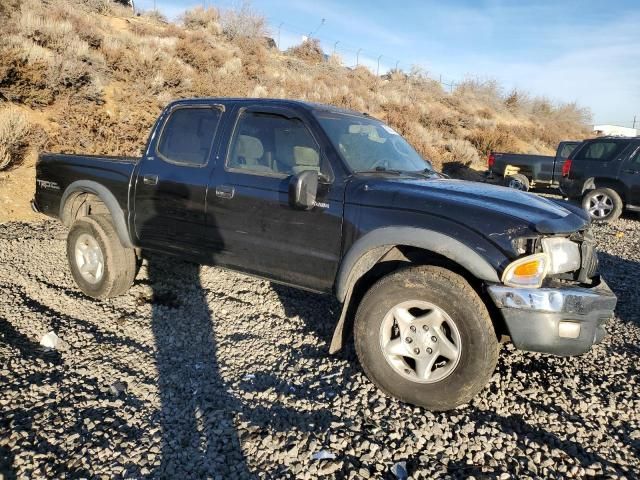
(305, 158)
(247, 154)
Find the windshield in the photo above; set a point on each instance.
(367, 144)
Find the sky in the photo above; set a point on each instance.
(584, 51)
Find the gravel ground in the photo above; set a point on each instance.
(200, 372)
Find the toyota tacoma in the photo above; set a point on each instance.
(432, 273)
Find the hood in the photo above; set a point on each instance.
(474, 204)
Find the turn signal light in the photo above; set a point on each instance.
(527, 271)
(491, 160)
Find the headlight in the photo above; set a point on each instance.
(564, 254)
(527, 271)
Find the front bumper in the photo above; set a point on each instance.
(557, 319)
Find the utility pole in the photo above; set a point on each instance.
(634, 121)
(312, 33)
(279, 27)
(335, 45)
(358, 57)
(378, 67)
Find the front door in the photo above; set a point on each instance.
(630, 176)
(248, 205)
(172, 180)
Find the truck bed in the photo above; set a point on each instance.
(56, 171)
(519, 159)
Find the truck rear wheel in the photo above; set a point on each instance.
(603, 205)
(423, 335)
(100, 265)
(518, 182)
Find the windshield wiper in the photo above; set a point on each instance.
(381, 170)
(427, 172)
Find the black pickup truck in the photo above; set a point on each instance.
(431, 272)
(524, 171)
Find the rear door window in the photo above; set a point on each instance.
(188, 134)
(602, 151)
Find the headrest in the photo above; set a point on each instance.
(306, 156)
(249, 147)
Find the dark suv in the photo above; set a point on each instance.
(604, 174)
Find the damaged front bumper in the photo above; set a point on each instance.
(559, 319)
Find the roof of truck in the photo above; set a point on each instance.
(284, 102)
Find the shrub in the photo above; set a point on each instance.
(243, 22)
(463, 151)
(24, 80)
(309, 51)
(154, 15)
(499, 138)
(103, 7)
(200, 18)
(14, 133)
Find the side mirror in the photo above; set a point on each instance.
(303, 189)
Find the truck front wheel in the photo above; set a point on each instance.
(423, 335)
(100, 265)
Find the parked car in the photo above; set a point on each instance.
(522, 171)
(333, 201)
(603, 174)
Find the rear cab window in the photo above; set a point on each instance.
(567, 149)
(602, 150)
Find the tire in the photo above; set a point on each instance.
(93, 241)
(603, 205)
(517, 182)
(450, 385)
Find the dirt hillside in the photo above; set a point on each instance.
(90, 76)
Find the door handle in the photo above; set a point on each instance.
(150, 179)
(225, 191)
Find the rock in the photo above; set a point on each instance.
(117, 388)
(323, 455)
(50, 340)
(399, 469)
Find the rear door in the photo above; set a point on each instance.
(630, 175)
(172, 180)
(249, 216)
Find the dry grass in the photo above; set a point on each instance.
(14, 132)
(201, 18)
(102, 75)
(309, 51)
